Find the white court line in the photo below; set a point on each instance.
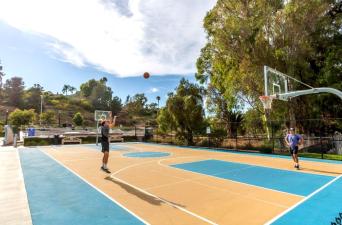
(213, 187)
(110, 198)
(154, 196)
(239, 182)
(232, 192)
(165, 201)
(303, 200)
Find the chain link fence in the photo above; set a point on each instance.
(322, 137)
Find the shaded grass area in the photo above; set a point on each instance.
(319, 156)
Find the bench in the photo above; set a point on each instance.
(116, 138)
(71, 139)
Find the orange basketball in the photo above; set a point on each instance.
(146, 75)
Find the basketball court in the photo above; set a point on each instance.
(161, 184)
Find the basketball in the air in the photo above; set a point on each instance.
(146, 75)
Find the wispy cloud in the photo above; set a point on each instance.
(154, 90)
(122, 37)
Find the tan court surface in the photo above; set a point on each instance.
(14, 208)
(161, 194)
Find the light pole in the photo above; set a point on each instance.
(59, 118)
(6, 117)
(41, 110)
(158, 99)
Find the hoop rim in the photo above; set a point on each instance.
(267, 101)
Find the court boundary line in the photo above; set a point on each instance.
(302, 201)
(196, 181)
(26, 195)
(152, 195)
(124, 155)
(302, 196)
(166, 202)
(97, 189)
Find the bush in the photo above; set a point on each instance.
(78, 119)
(2, 131)
(48, 117)
(130, 138)
(38, 141)
(266, 149)
(19, 117)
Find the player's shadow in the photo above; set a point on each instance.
(143, 196)
(320, 171)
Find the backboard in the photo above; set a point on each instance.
(277, 87)
(103, 115)
(275, 82)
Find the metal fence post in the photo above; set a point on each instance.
(236, 142)
(208, 140)
(272, 130)
(171, 135)
(320, 138)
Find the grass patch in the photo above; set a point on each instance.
(319, 156)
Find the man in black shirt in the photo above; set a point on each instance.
(105, 126)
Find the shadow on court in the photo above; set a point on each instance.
(320, 171)
(145, 197)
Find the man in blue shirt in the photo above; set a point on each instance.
(293, 140)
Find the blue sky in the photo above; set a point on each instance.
(61, 42)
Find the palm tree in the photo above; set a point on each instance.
(65, 89)
(158, 99)
(1, 75)
(72, 89)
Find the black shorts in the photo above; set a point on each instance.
(294, 150)
(105, 146)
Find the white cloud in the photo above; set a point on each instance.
(123, 37)
(154, 90)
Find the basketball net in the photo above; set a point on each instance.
(267, 102)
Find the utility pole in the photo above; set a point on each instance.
(41, 110)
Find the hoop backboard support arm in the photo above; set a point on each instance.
(286, 96)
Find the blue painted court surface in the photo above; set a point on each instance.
(57, 196)
(321, 209)
(146, 154)
(281, 180)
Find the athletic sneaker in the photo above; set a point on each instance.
(105, 169)
(297, 166)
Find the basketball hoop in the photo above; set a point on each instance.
(266, 101)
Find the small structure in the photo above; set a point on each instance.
(9, 136)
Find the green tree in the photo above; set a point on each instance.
(14, 89)
(158, 99)
(301, 38)
(2, 74)
(78, 119)
(68, 88)
(185, 107)
(86, 88)
(33, 97)
(65, 89)
(21, 117)
(48, 117)
(98, 93)
(115, 105)
(165, 121)
(136, 104)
